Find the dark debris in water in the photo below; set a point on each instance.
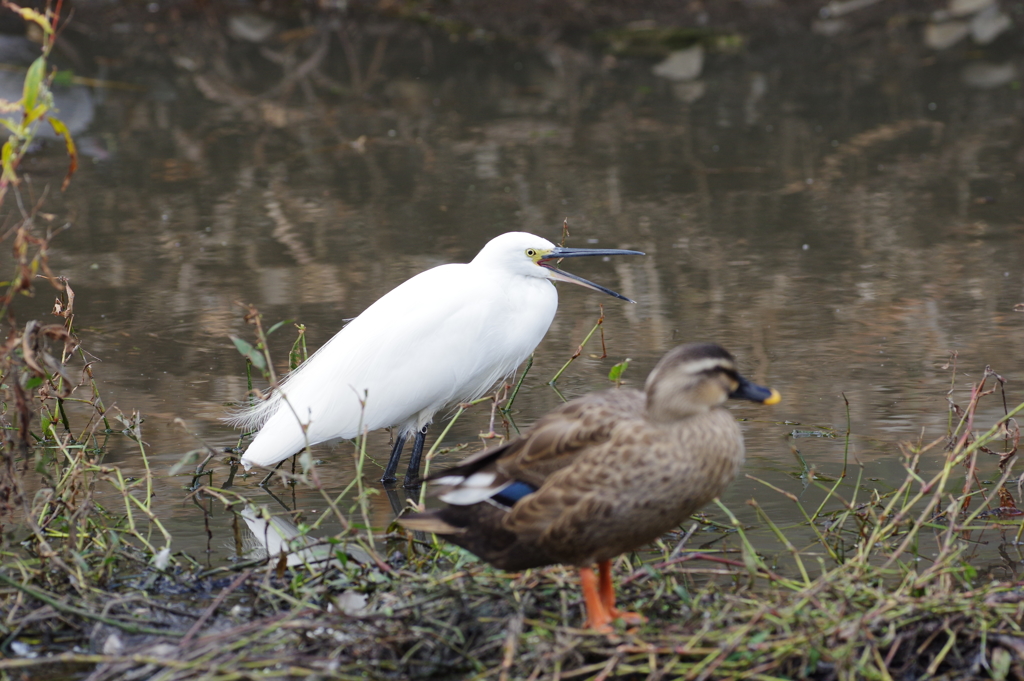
(1002, 513)
(812, 433)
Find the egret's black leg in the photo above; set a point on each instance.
(396, 454)
(397, 504)
(400, 504)
(412, 476)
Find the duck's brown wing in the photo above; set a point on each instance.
(554, 441)
(549, 448)
(571, 497)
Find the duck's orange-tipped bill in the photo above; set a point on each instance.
(748, 390)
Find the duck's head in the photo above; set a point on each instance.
(695, 378)
(533, 256)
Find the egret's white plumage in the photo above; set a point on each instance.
(445, 335)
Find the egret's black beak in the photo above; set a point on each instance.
(755, 393)
(559, 275)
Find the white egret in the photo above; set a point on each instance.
(446, 335)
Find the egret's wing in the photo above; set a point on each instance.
(454, 347)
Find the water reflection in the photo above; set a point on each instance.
(839, 216)
(273, 535)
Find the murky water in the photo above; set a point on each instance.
(839, 214)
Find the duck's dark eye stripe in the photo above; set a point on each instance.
(514, 492)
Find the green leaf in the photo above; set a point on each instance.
(6, 160)
(35, 114)
(306, 460)
(277, 326)
(187, 460)
(62, 130)
(63, 77)
(29, 14)
(297, 355)
(615, 375)
(250, 353)
(758, 637)
(812, 661)
(1001, 662)
(33, 383)
(33, 81)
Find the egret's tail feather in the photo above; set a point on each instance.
(254, 416)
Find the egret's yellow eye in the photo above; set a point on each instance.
(531, 252)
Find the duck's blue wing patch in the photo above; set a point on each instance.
(514, 492)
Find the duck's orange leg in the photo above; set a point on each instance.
(607, 593)
(597, 617)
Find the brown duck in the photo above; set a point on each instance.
(601, 475)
